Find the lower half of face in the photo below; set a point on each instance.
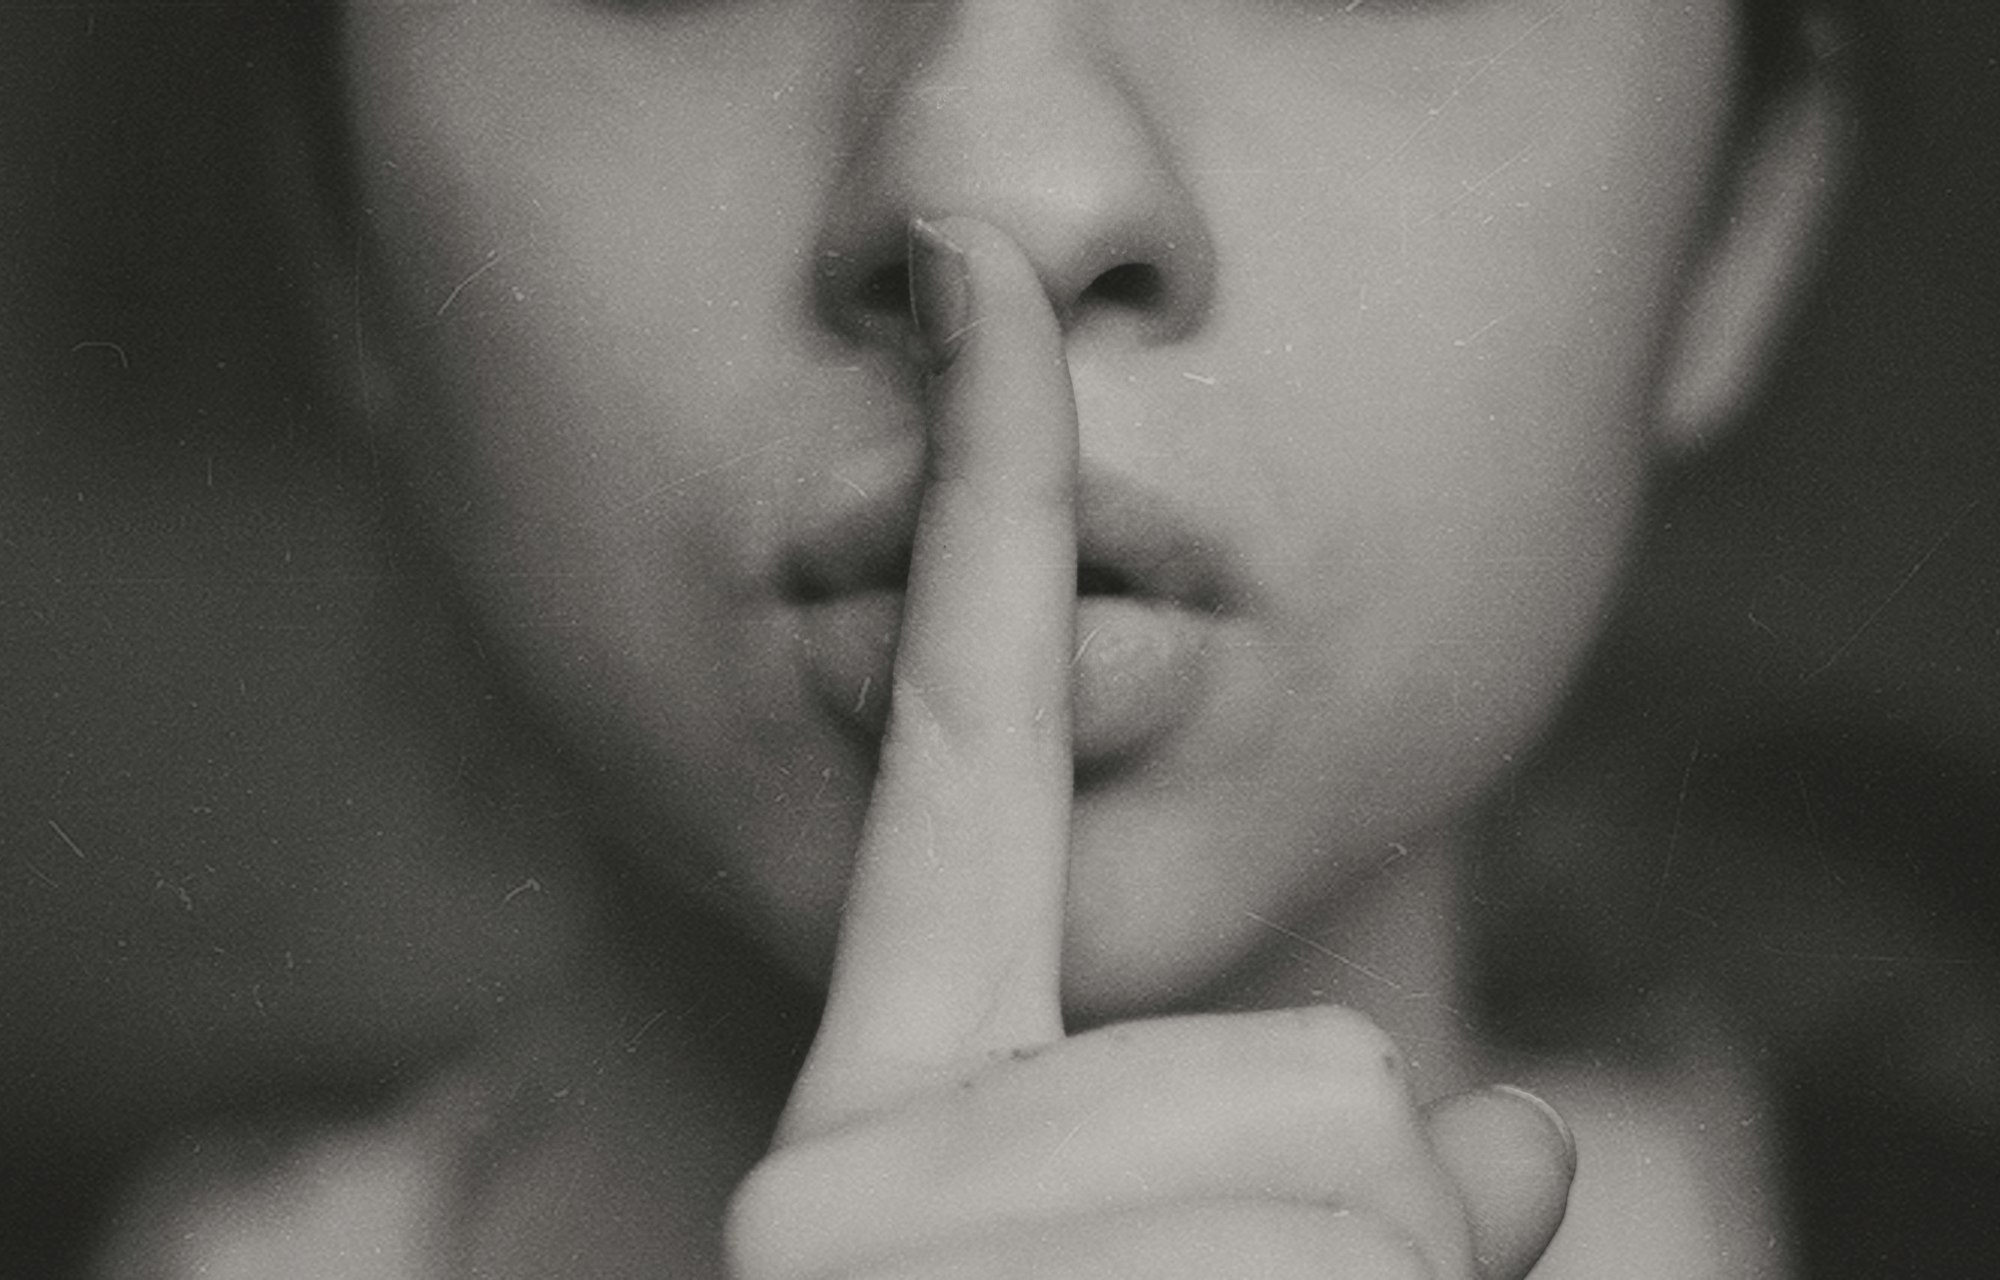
(1346, 523)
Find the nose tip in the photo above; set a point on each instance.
(1046, 143)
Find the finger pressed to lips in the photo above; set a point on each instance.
(951, 940)
(1157, 606)
(941, 1072)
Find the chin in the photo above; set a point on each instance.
(1164, 910)
(1120, 977)
(1176, 957)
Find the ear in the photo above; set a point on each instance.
(1760, 244)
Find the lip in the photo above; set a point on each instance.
(1154, 592)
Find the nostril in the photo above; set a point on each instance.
(1101, 580)
(886, 290)
(1135, 286)
(866, 296)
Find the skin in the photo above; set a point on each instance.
(917, 1138)
(1383, 332)
(1414, 296)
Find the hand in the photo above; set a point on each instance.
(943, 1124)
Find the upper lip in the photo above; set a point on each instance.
(1130, 541)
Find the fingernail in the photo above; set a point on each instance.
(1553, 1116)
(940, 293)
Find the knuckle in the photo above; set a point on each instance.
(1349, 1041)
(1346, 1097)
(1357, 1246)
(1334, 1046)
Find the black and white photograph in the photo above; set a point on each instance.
(999, 640)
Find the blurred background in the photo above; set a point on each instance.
(260, 830)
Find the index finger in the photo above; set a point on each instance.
(951, 943)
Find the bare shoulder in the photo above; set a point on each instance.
(1677, 1172)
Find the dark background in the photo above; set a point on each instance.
(256, 826)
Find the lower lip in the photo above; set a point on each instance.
(1140, 672)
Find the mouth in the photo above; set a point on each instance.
(1152, 597)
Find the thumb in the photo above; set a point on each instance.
(1512, 1157)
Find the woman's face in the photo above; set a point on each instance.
(1363, 300)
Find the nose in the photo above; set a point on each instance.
(1020, 113)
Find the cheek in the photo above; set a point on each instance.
(584, 305)
(602, 412)
(1446, 303)
(1450, 510)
